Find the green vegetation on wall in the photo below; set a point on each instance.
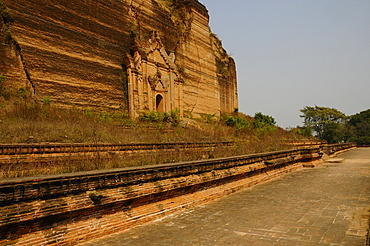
(2, 81)
(177, 11)
(219, 51)
(7, 20)
(5, 14)
(133, 29)
(124, 82)
(222, 57)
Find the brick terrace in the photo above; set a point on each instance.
(328, 205)
(72, 208)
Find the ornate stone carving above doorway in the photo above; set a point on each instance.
(153, 81)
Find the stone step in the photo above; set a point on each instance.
(334, 160)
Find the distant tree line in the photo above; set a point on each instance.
(333, 126)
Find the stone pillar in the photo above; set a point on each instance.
(130, 93)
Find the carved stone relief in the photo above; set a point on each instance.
(153, 80)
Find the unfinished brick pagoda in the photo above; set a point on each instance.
(120, 54)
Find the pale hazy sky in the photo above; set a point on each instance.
(296, 53)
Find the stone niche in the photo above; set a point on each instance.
(153, 81)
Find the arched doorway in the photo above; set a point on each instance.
(159, 103)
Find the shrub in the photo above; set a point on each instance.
(2, 80)
(105, 117)
(263, 123)
(161, 117)
(5, 14)
(224, 72)
(209, 118)
(4, 92)
(133, 30)
(154, 116)
(45, 100)
(266, 119)
(175, 116)
(7, 20)
(23, 93)
(238, 122)
(188, 114)
(88, 112)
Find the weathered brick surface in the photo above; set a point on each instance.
(53, 148)
(67, 209)
(325, 206)
(74, 53)
(27, 157)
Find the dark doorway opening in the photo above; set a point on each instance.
(159, 103)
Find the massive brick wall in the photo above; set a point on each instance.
(71, 208)
(73, 52)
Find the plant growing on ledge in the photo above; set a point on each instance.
(2, 80)
(224, 72)
(181, 69)
(7, 20)
(219, 51)
(177, 11)
(133, 29)
(5, 14)
(161, 117)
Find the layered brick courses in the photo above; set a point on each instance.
(75, 54)
(27, 156)
(72, 208)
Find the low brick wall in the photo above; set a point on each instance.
(21, 160)
(53, 148)
(55, 153)
(332, 149)
(73, 208)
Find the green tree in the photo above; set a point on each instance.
(359, 128)
(263, 123)
(334, 132)
(264, 119)
(304, 131)
(327, 123)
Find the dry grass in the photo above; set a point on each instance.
(25, 121)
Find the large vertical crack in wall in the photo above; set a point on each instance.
(24, 67)
(74, 53)
(10, 44)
